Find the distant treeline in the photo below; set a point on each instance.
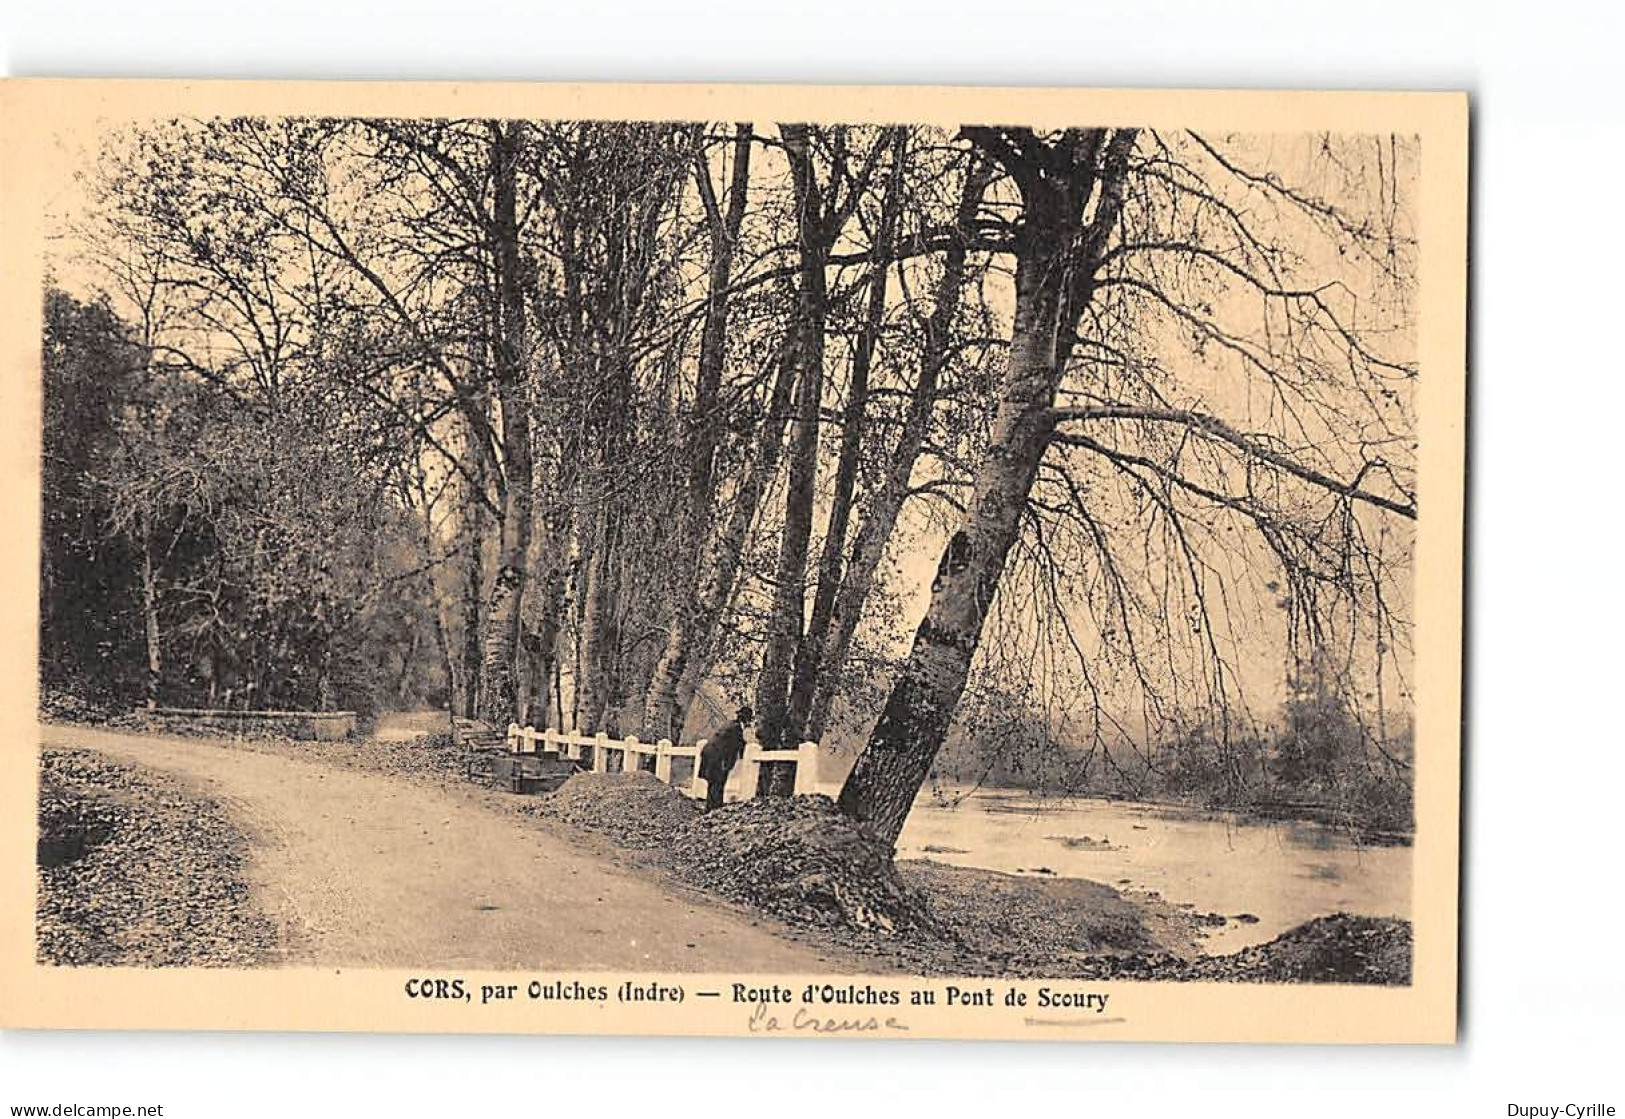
(1315, 759)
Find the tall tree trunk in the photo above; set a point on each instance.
(534, 678)
(660, 706)
(1055, 261)
(810, 662)
(716, 590)
(885, 504)
(431, 587)
(442, 643)
(481, 469)
(543, 611)
(149, 610)
(541, 648)
(599, 637)
(403, 682)
(597, 613)
(442, 639)
(498, 698)
(558, 691)
(499, 643)
(473, 530)
(784, 626)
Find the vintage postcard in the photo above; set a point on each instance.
(770, 561)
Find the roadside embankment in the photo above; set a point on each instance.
(800, 860)
(138, 870)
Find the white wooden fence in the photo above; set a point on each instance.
(656, 758)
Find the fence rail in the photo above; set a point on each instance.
(657, 757)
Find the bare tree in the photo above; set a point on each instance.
(822, 209)
(1095, 224)
(690, 621)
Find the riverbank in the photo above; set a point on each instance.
(802, 861)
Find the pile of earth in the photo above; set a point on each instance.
(801, 859)
(635, 809)
(1341, 948)
(135, 869)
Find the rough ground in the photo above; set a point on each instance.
(1340, 948)
(138, 870)
(800, 859)
(1023, 925)
(363, 869)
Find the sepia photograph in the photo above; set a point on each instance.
(847, 572)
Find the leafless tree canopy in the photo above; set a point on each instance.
(1092, 447)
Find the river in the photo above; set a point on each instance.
(1283, 873)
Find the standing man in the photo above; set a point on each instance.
(718, 758)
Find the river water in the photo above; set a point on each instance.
(1283, 873)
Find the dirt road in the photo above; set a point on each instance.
(371, 870)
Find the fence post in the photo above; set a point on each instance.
(663, 761)
(566, 749)
(600, 753)
(630, 759)
(806, 768)
(513, 738)
(750, 766)
(694, 778)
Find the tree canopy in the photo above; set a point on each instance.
(1096, 441)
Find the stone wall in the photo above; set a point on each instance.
(325, 726)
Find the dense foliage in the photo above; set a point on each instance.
(278, 576)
